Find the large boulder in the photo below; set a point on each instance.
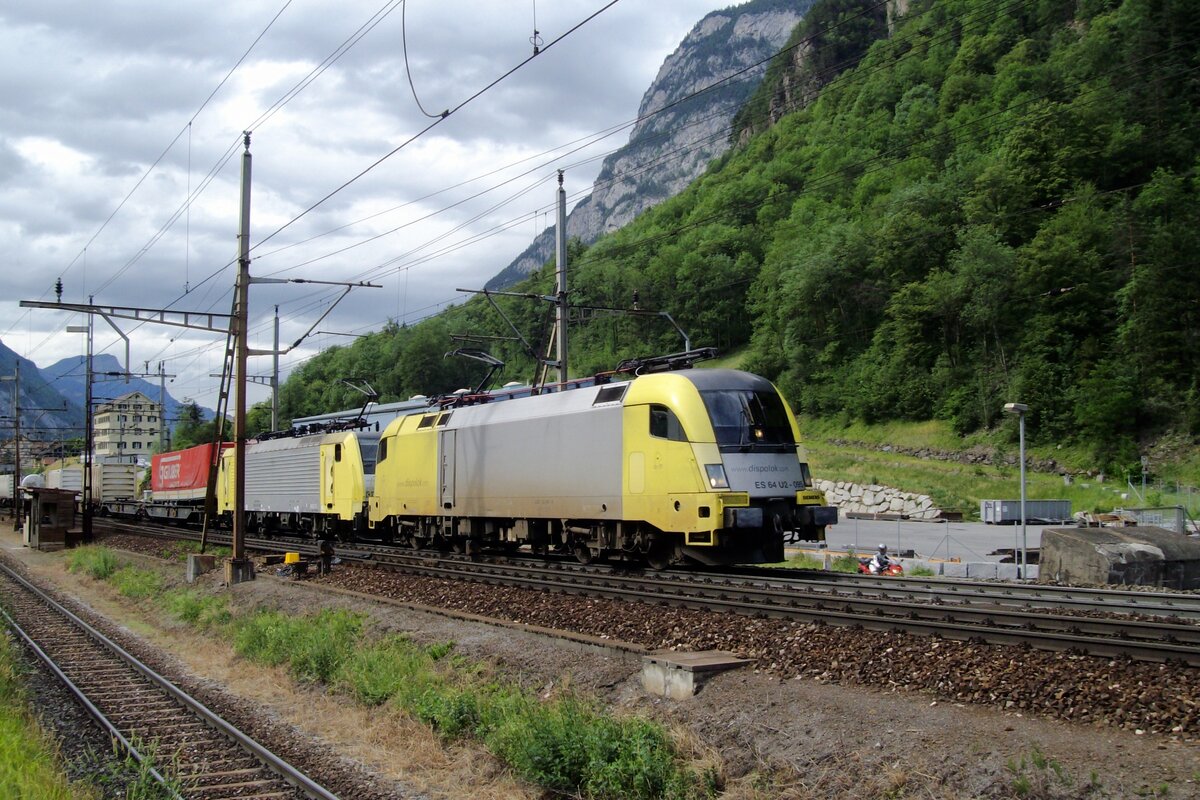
(1136, 555)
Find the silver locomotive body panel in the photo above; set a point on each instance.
(552, 456)
(284, 475)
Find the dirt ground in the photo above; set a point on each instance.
(772, 738)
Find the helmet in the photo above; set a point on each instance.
(883, 548)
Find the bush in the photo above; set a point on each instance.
(567, 746)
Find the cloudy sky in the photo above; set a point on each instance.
(114, 114)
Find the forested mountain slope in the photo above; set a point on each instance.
(998, 202)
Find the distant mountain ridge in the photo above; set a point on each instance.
(62, 385)
(68, 377)
(670, 149)
(39, 402)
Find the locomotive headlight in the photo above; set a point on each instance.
(716, 476)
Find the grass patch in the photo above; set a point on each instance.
(846, 563)
(565, 744)
(958, 486)
(568, 746)
(1037, 776)
(312, 647)
(921, 571)
(29, 765)
(197, 610)
(137, 583)
(144, 785)
(95, 561)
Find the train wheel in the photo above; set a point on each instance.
(418, 542)
(583, 553)
(660, 553)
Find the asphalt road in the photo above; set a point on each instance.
(967, 541)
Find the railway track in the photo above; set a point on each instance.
(147, 714)
(996, 614)
(975, 592)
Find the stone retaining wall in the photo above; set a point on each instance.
(876, 499)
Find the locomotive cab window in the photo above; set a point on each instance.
(444, 418)
(665, 425)
(337, 452)
(383, 449)
(426, 421)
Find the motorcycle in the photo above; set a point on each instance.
(893, 568)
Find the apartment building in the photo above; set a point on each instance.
(129, 425)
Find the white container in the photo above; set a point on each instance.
(1008, 512)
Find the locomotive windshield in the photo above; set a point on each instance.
(747, 418)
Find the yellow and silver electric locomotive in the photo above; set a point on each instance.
(314, 484)
(673, 467)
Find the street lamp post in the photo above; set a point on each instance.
(1019, 409)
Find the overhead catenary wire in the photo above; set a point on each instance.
(820, 181)
(388, 7)
(348, 43)
(834, 68)
(379, 271)
(287, 97)
(740, 73)
(186, 128)
(407, 68)
(449, 112)
(663, 109)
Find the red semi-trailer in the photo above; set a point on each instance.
(182, 475)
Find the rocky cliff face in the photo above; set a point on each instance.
(832, 38)
(668, 150)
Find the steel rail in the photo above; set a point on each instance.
(89, 706)
(791, 599)
(1157, 603)
(868, 614)
(933, 590)
(275, 763)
